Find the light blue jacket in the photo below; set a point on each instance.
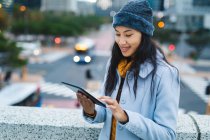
(152, 116)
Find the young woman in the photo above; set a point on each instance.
(141, 89)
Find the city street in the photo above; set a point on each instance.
(64, 69)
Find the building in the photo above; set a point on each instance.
(86, 8)
(32, 4)
(60, 6)
(7, 5)
(157, 5)
(190, 14)
(106, 7)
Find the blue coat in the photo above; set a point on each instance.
(152, 115)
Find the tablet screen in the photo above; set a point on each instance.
(88, 95)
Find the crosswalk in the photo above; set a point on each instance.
(62, 91)
(183, 111)
(195, 83)
(56, 90)
(48, 57)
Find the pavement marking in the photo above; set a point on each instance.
(56, 89)
(197, 85)
(183, 111)
(48, 58)
(102, 53)
(61, 90)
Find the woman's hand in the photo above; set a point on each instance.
(87, 104)
(117, 111)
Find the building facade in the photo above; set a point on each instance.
(32, 4)
(7, 5)
(157, 5)
(106, 7)
(190, 14)
(60, 6)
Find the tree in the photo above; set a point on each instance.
(199, 40)
(10, 54)
(167, 36)
(4, 21)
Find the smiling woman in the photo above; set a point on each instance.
(141, 89)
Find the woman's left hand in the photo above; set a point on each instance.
(117, 111)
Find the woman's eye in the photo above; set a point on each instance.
(117, 34)
(128, 35)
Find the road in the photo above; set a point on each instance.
(64, 69)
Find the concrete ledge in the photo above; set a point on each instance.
(67, 124)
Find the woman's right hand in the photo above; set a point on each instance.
(87, 104)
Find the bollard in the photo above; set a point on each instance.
(208, 90)
(208, 108)
(88, 74)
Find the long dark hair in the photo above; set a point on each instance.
(147, 51)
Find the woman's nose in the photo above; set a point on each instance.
(122, 41)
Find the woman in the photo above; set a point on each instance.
(141, 89)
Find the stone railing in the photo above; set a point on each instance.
(24, 123)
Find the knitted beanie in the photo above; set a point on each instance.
(136, 14)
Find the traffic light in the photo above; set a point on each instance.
(161, 24)
(22, 8)
(57, 40)
(171, 47)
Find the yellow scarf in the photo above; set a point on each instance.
(122, 68)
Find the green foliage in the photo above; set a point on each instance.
(4, 21)
(50, 23)
(199, 40)
(11, 53)
(167, 35)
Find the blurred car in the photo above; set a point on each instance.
(20, 94)
(84, 50)
(30, 48)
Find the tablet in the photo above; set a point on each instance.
(81, 90)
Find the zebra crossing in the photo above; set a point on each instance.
(56, 90)
(48, 57)
(195, 83)
(62, 91)
(183, 111)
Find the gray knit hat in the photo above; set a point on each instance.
(136, 14)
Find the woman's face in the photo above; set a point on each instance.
(128, 40)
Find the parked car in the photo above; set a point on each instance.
(84, 50)
(20, 94)
(30, 48)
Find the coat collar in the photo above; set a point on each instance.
(147, 67)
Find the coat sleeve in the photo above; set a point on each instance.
(100, 111)
(163, 124)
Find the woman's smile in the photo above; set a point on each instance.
(124, 49)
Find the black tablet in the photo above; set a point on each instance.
(88, 95)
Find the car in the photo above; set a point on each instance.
(84, 50)
(29, 47)
(20, 94)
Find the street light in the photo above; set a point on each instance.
(171, 47)
(57, 40)
(161, 24)
(22, 8)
